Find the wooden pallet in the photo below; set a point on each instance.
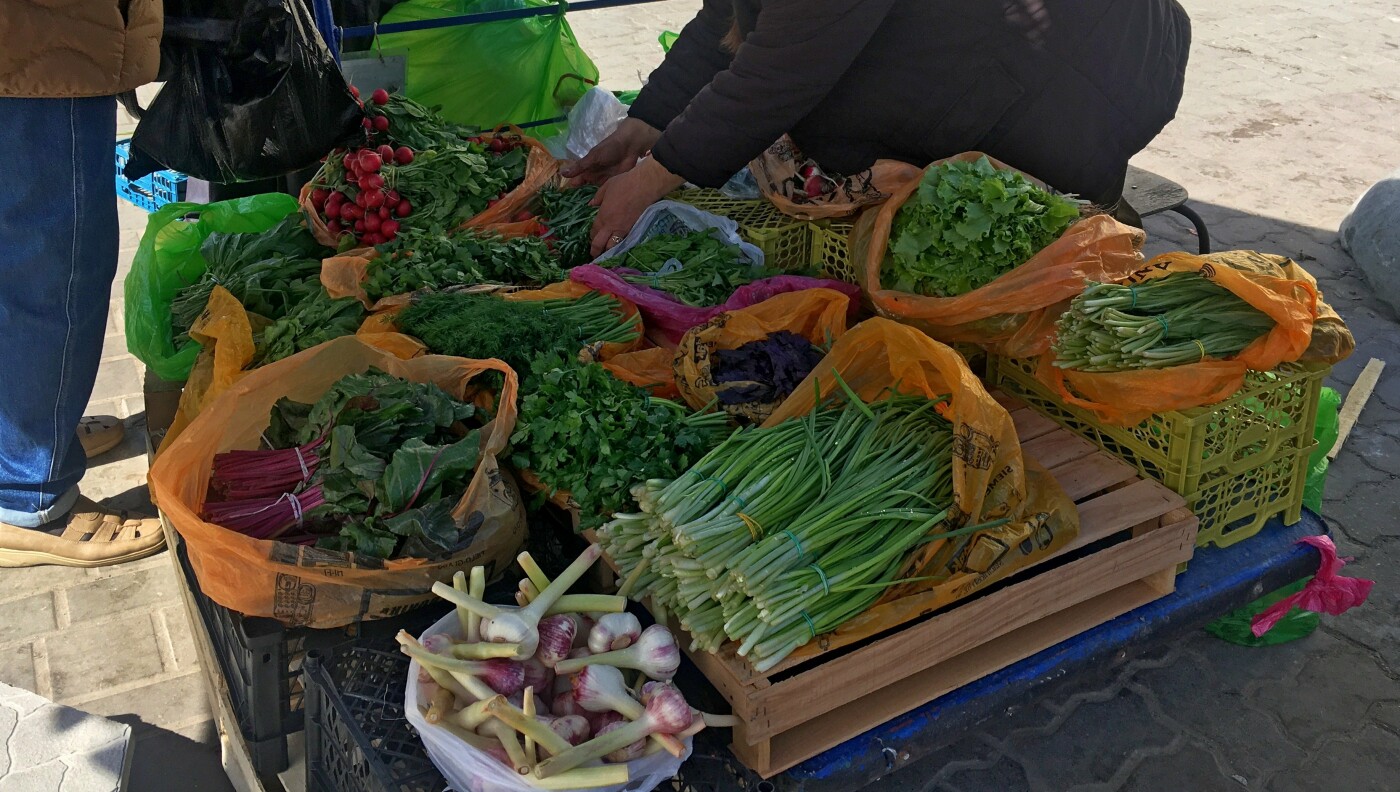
(835, 689)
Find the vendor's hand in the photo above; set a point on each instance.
(617, 154)
(623, 198)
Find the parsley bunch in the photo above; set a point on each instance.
(433, 260)
(583, 430)
(967, 225)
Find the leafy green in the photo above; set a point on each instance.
(967, 225)
(569, 216)
(583, 430)
(449, 185)
(707, 272)
(314, 320)
(432, 260)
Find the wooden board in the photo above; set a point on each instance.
(830, 691)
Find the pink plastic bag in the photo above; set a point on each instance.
(1327, 592)
(662, 312)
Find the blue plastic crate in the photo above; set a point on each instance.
(149, 192)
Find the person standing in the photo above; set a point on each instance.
(60, 69)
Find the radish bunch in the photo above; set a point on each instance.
(522, 685)
(366, 207)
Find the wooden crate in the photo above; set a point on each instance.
(830, 690)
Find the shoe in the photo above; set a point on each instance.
(100, 433)
(89, 536)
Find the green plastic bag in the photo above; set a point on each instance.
(515, 71)
(668, 39)
(1329, 404)
(1235, 626)
(168, 260)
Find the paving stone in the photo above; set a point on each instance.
(177, 626)
(1387, 714)
(24, 617)
(117, 378)
(1188, 769)
(1004, 775)
(169, 701)
(1367, 762)
(17, 666)
(35, 779)
(140, 591)
(1090, 745)
(94, 657)
(114, 347)
(1313, 707)
(88, 752)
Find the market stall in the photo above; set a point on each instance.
(453, 497)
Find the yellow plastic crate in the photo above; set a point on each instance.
(831, 252)
(1238, 463)
(784, 240)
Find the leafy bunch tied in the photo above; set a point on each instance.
(315, 319)
(967, 224)
(709, 272)
(433, 260)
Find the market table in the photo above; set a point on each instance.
(357, 739)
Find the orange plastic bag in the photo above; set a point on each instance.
(652, 368)
(991, 480)
(225, 333)
(819, 315)
(1126, 398)
(540, 168)
(320, 588)
(1008, 316)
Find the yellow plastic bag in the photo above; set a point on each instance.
(1126, 398)
(784, 173)
(1008, 316)
(819, 315)
(991, 480)
(321, 588)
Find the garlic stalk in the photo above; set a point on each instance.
(510, 740)
(520, 626)
(469, 686)
(584, 778)
(626, 753)
(600, 688)
(459, 582)
(537, 577)
(439, 704)
(614, 631)
(502, 676)
(533, 729)
(667, 713)
(482, 651)
(655, 654)
(476, 587)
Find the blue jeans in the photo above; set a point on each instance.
(58, 255)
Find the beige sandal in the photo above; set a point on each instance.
(100, 433)
(93, 536)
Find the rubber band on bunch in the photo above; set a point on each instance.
(305, 472)
(723, 488)
(1132, 292)
(1162, 320)
(826, 584)
(755, 530)
(810, 625)
(296, 507)
(801, 551)
(1201, 347)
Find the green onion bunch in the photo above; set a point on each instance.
(709, 272)
(1174, 320)
(784, 533)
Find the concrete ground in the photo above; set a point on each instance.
(1291, 110)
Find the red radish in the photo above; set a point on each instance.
(347, 211)
(373, 199)
(389, 227)
(393, 197)
(381, 123)
(333, 227)
(319, 196)
(372, 181)
(497, 145)
(385, 152)
(813, 186)
(359, 226)
(371, 222)
(355, 92)
(387, 237)
(521, 216)
(367, 124)
(350, 162)
(380, 97)
(370, 162)
(542, 230)
(384, 212)
(403, 155)
(493, 202)
(404, 209)
(373, 239)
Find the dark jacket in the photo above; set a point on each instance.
(1066, 90)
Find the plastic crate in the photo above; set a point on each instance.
(785, 241)
(152, 191)
(1237, 463)
(831, 251)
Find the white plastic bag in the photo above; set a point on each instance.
(676, 218)
(595, 117)
(470, 770)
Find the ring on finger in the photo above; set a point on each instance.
(614, 241)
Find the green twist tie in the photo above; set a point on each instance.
(801, 553)
(1162, 320)
(826, 585)
(1132, 292)
(810, 625)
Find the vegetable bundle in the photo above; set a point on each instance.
(266, 271)
(482, 326)
(1174, 320)
(763, 371)
(540, 689)
(706, 272)
(375, 466)
(967, 224)
(586, 432)
(783, 533)
(567, 217)
(413, 170)
(317, 318)
(432, 260)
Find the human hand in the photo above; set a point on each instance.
(617, 154)
(622, 199)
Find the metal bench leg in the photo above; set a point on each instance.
(1201, 233)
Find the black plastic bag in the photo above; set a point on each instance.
(253, 93)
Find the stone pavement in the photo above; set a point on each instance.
(1292, 109)
(52, 747)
